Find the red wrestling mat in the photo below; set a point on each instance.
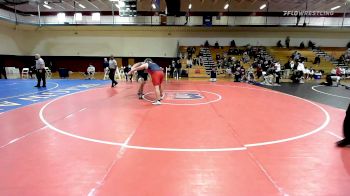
(205, 139)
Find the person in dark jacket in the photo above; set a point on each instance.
(346, 130)
(2, 69)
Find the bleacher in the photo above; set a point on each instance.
(209, 60)
(280, 54)
(283, 55)
(332, 54)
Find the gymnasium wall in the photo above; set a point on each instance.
(74, 47)
(11, 41)
(150, 41)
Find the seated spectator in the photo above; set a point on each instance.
(307, 73)
(277, 71)
(238, 73)
(228, 71)
(312, 73)
(287, 68)
(329, 80)
(90, 72)
(297, 76)
(217, 56)
(279, 44)
(245, 58)
(311, 44)
(189, 62)
(250, 75)
(217, 45)
(317, 60)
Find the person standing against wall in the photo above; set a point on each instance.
(2, 69)
(105, 63)
(178, 67)
(40, 70)
(112, 67)
(287, 41)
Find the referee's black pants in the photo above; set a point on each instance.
(40, 75)
(111, 76)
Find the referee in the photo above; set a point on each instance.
(40, 70)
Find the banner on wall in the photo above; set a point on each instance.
(207, 21)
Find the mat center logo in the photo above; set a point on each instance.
(184, 95)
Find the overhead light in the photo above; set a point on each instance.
(153, 6)
(61, 17)
(78, 16)
(117, 5)
(263, 6)
(226, 6)
(336, 7)
(190, 6)
(82, 6)
(45, 2)
(96, 16)
(48, 7)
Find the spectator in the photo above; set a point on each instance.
(105, 63)
(90, 71)
(287, 41)
(172, 68)
(2, 70)
(311, 44)
(178, 69)
(217, 45)
(277, 71)
(287, 68)
(317, 60)
(189, 62)
(298, 20)
(279, 44)
(217, 56)
(233, 44)
(213, 74)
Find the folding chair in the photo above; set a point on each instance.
(48, 73)
(117, 72)
(106, 75)
(25, 73)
